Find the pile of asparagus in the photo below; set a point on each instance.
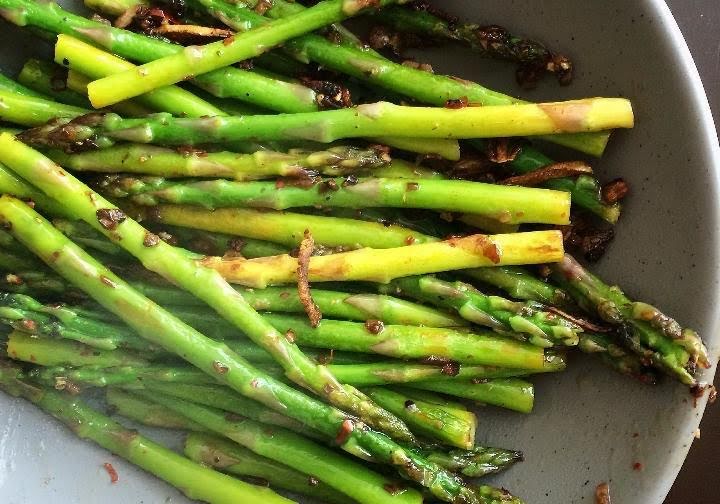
(307, 278)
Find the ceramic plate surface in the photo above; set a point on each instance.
(590, 425)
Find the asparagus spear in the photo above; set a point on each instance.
(228, 82)
(10, 86)
(209, 242)
(180, 267)
(78, 83)
(24, 313)
(32, 111)
(95, 63)
(511, 393)
(651, 333)
(232, 458)
(508, 204)
(130, 406)
(333, 304)
(521, 284)
(448, 425)
(48, 79)
(584, 190)
(384, 265)
(408, 342)
(160, 162)
(48, 352)
(532, 58)
(195, 481)
(369, 66)
(370, 120)
(528, 318)
(340, 473)
(286, 228)
(155, 324)
(200, 60)
(479, 461)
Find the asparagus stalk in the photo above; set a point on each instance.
(510, 393)
(181, 268)
(159, 162)
(78, 83)
(408, 342)
(360, 374)
(369, 66)
(47, 352)
(370, 120)
(195, 481)
(48, 80)
(447, 425)
(232, 458)
(228, 82)
(618, 357)
(340, 473)
(10, 86)
(130, 406)
(285, 228)
(208, 242)
(532, 58)
(528, 318)
(24, 313)
(477, 462)
(508, 204)
(95, 63)
(584, 190)
(384, 265)
(157, 325)
(32, 111)
(656, 336)
(203, 59)
(333, 304)
(221, 398)
(521, 284)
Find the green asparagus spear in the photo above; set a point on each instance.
(48, 352)
(194, 480)
(521, 284)
(222, 398)
(228, 82)
(384, 265)
(78, 83)
(479, 461)
(533, 58)
(507, 204)
(232, 458)
(157, 325)
(446, 425)
(408, 342)
(617, 356)
(32, 111)
(95, 63)
(367, 65)
(656, 336)
(180, 267)
(50, 80)
(584, 190)
(511, 393)
(212, 243)
(160, 162)
(286, 228)
(527, 318)
(10, 86)
(198, 60)
(130, 406)
(24, 313)
(370, 120)
(340, 473)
